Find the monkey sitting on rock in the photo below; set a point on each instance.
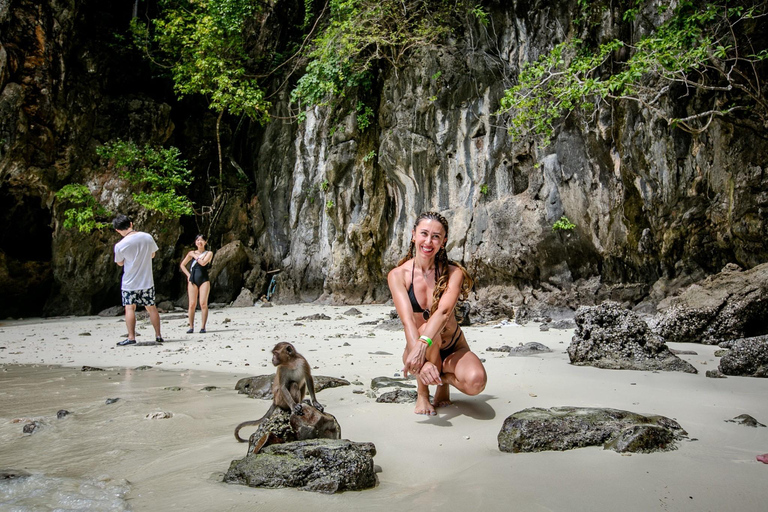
(293, 379)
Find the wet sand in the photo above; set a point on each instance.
(450, 461)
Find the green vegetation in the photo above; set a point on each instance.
(563, 224)
(202, 44)
(705, 48)
(329, 204)
(369, 156)
(161, 170)
(86, 212)
(324, 186)
(484, 189)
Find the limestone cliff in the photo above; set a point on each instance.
(332, 205)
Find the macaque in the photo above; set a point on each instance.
(292, 380)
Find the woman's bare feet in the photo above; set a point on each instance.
(423, 406)
(763, 458)
(442, 396)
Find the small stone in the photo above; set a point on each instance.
(63, 413)
(110, 401)
(158, 415)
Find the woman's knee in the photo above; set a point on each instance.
(475, 381)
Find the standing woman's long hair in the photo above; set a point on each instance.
(441, 264)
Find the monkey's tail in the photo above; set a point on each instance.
(253, 423)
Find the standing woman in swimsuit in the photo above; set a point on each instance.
(425, 287)
(198, 285)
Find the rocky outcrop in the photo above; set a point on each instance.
(608, 336)
(732, 304)
(566, 428)
(331, 204)
(286, 427)
(747, 357)
(319, 465)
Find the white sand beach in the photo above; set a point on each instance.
(447, 462)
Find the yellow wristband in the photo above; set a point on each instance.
(426, 340)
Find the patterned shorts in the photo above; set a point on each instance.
(139, 297)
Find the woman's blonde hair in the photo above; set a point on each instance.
(441, 264)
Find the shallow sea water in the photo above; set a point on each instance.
(92, 458)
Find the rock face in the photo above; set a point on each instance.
(260, 386)
(748, 357)
(608, 336)
(319, 465)
(565, 428)
(650, 204)
(732, 304)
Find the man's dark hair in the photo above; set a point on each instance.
(121, 222)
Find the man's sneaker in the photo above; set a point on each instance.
(158, 339)
(126, 342)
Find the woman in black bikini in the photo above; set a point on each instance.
(436, 350)
(198, 285)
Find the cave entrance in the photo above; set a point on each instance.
(26, 273)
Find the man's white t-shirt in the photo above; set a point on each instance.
(136, 250)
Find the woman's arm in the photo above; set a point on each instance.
(205, 258)
(444, 312)
(189, 257)
(417, 350)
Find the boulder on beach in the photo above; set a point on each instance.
(729, 305)
(610, 337)
(532, 348)
(285, 427)
(748, 357)
(565, 428)
(319, 465)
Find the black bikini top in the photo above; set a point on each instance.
(414, 301)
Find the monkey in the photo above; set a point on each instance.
(292, 380)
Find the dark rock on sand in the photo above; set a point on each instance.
(319, 465)
(209, 388)
(91, 369)
(728, 305)
(62, 413)
(398, 396)
(260, 386)
(13, 474)
(110, 401)
(565, 428)
(113, 311)
(748, 357)
(610, 337)
(529, 349)
(352, 312)
(142, 368)
(715, 374)
(286, 427)
(721, 352)
(393, 324)
(318, 316)
(746, 420)
(564, 324)
(31, 427)
(389, 382)
(503, 348)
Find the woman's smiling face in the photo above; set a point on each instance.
(428, 237)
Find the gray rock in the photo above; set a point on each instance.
(748, 357)
(113, 311)
(110, 401)
(389, 382)
(393, 324)
(244, 300)
(317, 316)
(13, 474)
(564, 324)
(725, 306)
(608, 336)
(529, 349)
(226, 271)
(143, 368)
(165, 306)
(352, 312)
(32, 427)
(715, 374)
(91, 369)
(746, 420)
(503, 348)
(260, 386)
(319, 465)
(62, 413)
(398, 396)
(565, 428)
